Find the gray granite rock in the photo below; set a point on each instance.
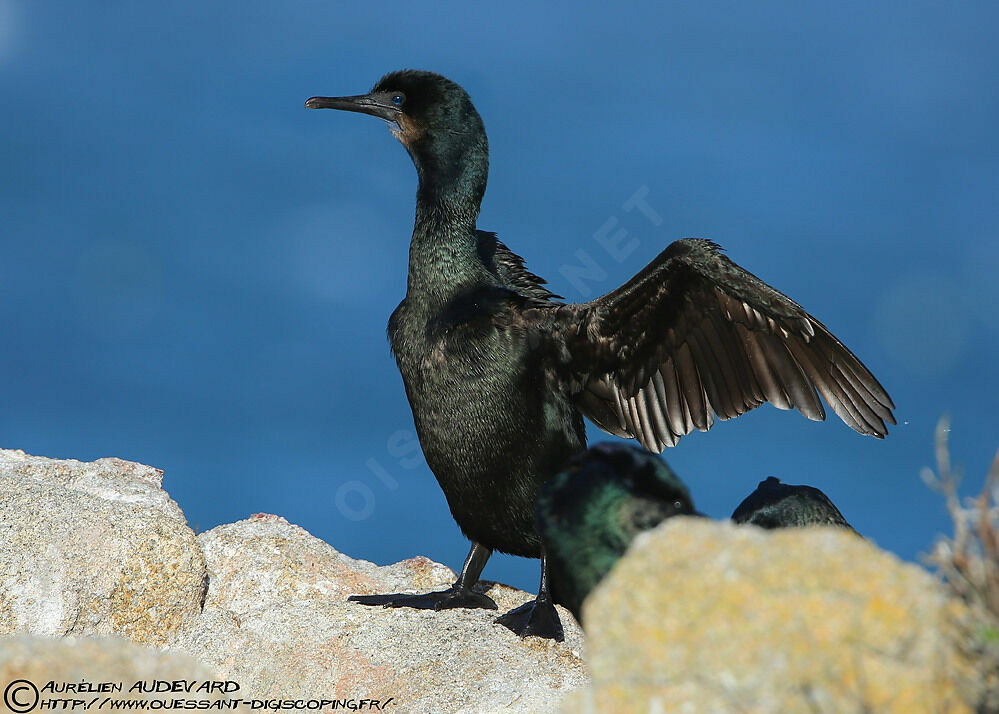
(34, 668)
(277, 620)
(93, 549)
(100, 549)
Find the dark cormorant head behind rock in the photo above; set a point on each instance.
(435, 120)
(779, 505)
(589, 513)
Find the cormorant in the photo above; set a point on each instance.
(589, 513)
(499, 374)
(779, 505)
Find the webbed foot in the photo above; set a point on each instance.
(537, 618)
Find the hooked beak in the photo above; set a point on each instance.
(363, 103)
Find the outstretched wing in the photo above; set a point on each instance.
(694, 335)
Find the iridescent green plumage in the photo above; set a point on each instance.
(779, 505)
(589, 514)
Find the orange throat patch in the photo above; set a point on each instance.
(408, 131)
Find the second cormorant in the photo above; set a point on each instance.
(589, 513)
(781, 505)
(499, 374)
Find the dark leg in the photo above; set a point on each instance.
(538, 618)
(458, 595)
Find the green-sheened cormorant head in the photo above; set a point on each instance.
(780, 505)
(589, 513)
(435, 120)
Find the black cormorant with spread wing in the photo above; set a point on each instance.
(500, 374)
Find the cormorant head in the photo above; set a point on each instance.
(779, 505)
(435, 120)
(588, 514)
(645, 487)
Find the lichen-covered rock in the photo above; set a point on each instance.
(711, 617)
(277, 620)
(93, 549)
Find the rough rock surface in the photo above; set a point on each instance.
(698, 616)
(277, 621)
(93, 549)
(100, 549)
(39, 660)
(710, 617)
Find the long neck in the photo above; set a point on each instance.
(443, 254)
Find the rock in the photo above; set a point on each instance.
(93, 548)
(99, 548)
(711, 617)
(697, 616)
(277, 620)
(39, 660)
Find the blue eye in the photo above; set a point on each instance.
(398, 99)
